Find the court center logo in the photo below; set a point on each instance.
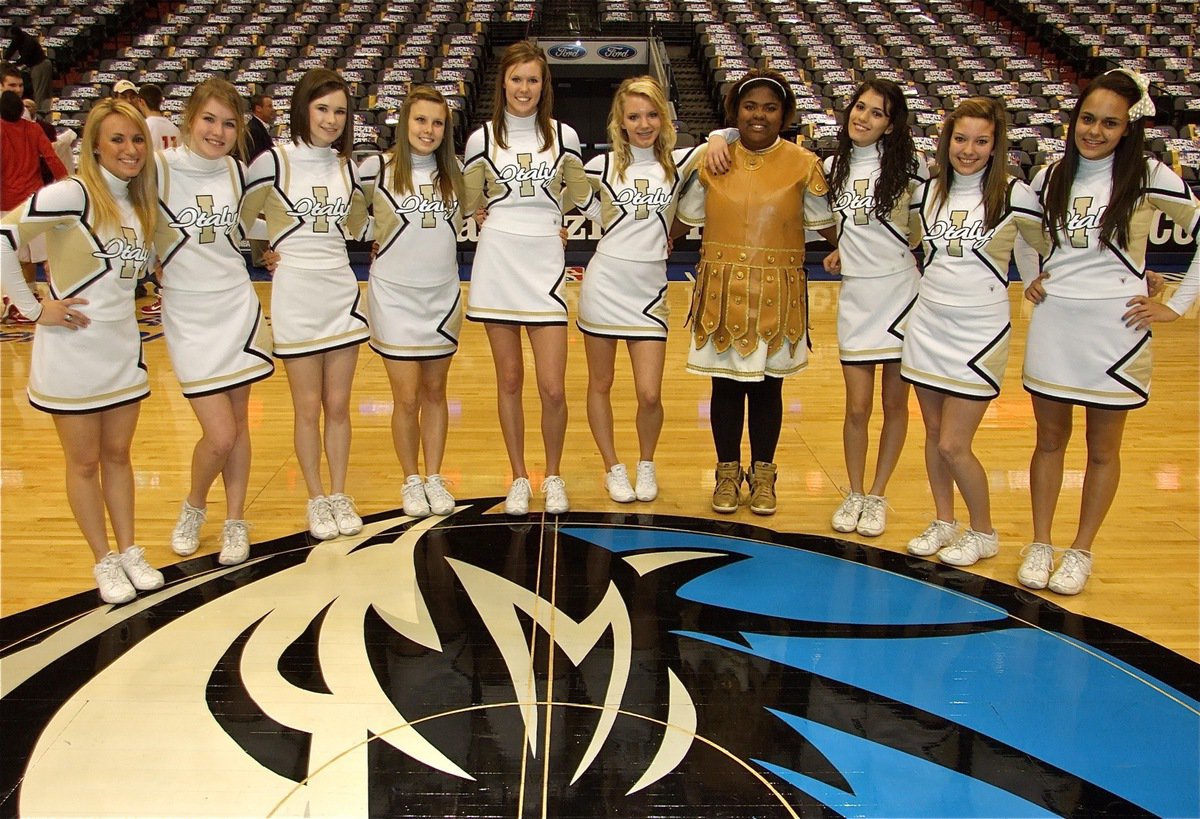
(477, 666)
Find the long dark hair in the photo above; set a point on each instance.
(448, 176)
(897, 154)
(316, 83)
(516, 54)
(1129, 170)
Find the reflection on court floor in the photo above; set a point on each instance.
(587, 666)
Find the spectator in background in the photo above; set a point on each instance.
(62, 138)
(262, 120)
(11, 79)
(24, 148)
(163, 133)
(26, 52)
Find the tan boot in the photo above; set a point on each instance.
(727, 493)
(762, 488)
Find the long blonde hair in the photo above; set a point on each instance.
(516, 54)
(995, 177)
(215, 88)
(649, 88)
(143, 188)
(448, 176)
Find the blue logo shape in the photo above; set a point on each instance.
(618, 52)
(567, 51)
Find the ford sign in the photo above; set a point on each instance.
(617, 52)
(567, 51)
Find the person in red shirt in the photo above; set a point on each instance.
(23, 144)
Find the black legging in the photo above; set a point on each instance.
(727, 412)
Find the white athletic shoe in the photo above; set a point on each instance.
(345, 516)
(873, 519)
(441, 502)
(938, 534)
(646, 488)
(1073, 572)
(1035, 569)
(141, 574)
(185, 539)
(970, 548)
(517, 502)
(412, 494)
(555, 490)
(616, 481)
(112, 581)
(235, 543)
(845, 519)
(321, 524)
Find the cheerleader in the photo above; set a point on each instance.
(413, 292)
(309, 193)
(749, 309)
(624, 293)
(216, 336)
(956, 344)
(86, 368)
(1089, 337)
(528, 167)
(871, 179)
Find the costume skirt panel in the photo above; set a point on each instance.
(728, 363)
(414, 322)
(95, 368)
(961, 351)
(218, 339)
(872, 315)
(518, 279)
(1081, 352)
(620, 298)
(314, 311)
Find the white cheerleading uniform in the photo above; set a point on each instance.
(1079, 349)
(217, 336)
(958, 332)
(624, 292)
(100, 366)
(879, 272)
(518, 276)
(413, 292)
(313, 203)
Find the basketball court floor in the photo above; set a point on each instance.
(621, 660)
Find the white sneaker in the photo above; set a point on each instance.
(646, 488)
(616, 481)
(185, 539)
(517, 502)
(112, 581)
(441, 502)
(320, 519)
(141, 574)
(938, 534)
(345, 516)
(412, 494)
(970, 548)
(1035, 569)
(845, 519)
(555, 490)
(873, 519)
(235, 543)
(1072, 573)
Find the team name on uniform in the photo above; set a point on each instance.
(314, 207)
(198, 218)
(417, 204)
(956, 231)
(659, 199)
(526, 173)
(127, 250)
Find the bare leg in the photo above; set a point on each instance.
(601, 359)
(860, 393)
(941, 482)
(960, 419)
(80, 439)
(218, 436)
(435, 412)
(895, 427)
(550, 365)
(305, 377)
(1054, 423)
(335, 399)
(507, 357)
(1105, 430)
(116, 470)
(405, 378)
(648, 358)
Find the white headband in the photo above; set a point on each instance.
(782, 91)
(1144, 107)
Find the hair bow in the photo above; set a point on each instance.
(1144, 107)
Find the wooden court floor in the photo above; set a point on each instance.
(1147, 573)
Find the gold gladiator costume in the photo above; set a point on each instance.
(749, 309)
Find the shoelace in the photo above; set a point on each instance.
(342, 505)
(872, 511)
(112, 570)
(1074, 563)
(321, 512)
(193, 519)
(437, 488)
(239, 528)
